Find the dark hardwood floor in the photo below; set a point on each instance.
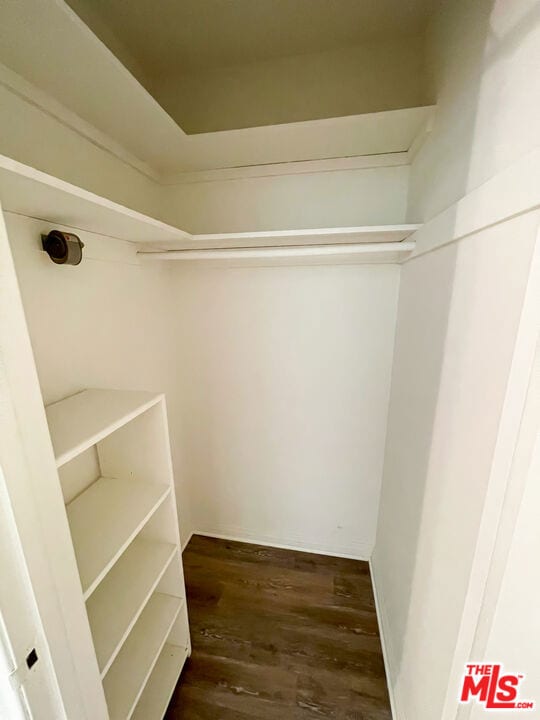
(279, 635)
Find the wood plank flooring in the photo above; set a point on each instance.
(279, 635)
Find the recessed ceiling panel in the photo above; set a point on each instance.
(226, 64)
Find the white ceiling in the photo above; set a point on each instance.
(227, 64)
(177, 36)
(49, 53)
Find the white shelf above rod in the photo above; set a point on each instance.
(401, 249)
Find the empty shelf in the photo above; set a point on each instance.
(117, 603)
(129, 673)
(104, 519)
(26, 190)
(378, 252)
(160, 687)
(82, 420)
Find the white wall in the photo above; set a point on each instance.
(286, 375)
(459, 310)
(514, 630)
(378, 75)
(337, 198)
(454, 344)
(483, 57)
(100, 324)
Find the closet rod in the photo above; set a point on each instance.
(400, 248)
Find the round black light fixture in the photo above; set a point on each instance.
(63, 248)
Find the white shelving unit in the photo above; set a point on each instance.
(113, 612)
(157, 693)
(104, 520)
(98, 413)
(125, 681)
(124, 529)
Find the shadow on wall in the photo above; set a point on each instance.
(478, 130)
(419, 358)
(411, 554)
(420, 349)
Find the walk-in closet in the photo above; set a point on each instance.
(269, 371)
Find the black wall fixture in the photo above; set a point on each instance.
(63, 248)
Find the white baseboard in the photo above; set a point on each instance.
(186, 543)
(240, 535)
(384, 633)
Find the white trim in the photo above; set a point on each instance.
(295, 167)
(20, 625)
(421, 137)
(384, 635)
(186, 543)
(240, 535)
(512, 192)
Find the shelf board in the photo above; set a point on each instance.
(28, 191)
(293, 238)
(115, 606)
(160, 687)
(104, 519)
(82, 420)
(31, 192)
(129, 673)
(379, 253)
